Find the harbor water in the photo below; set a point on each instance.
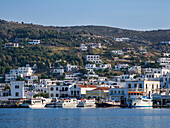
(84, 118)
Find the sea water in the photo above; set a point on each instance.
(84, 118)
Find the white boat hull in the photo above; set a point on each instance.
(140, 103)
(37, 106)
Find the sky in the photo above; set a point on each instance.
(127, 14)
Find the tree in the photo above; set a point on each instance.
(19, 78)
(7, 87)
(44, 76)
(45, 95)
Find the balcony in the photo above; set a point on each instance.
(136, 90)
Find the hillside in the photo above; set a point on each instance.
(154, 36)
(64, 42)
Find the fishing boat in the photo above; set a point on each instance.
(87, 103)
(64, 103)
(137, 99)
(33, 103)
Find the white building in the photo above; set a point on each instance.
(126, 77)
(121, 66)
(161, 71)
(165, 42)
(80, 90)
(102, 66)
(121, 39)
(99, 45)
(71, 76)
(105, 66)
(165, 81)
(90, 66)
(142, 51)
(21, 71)
(152, 75)
(40, 88)
(33, 42)
(135, 69)
(71, 68)
(83, 47)
(117, 93)
(17, 90)
(58, 70)
(94, 58)
(118, 52)
(11, 45)
(143, 85)
(91, 74)
(62, 90)
(164, 61)
(166, 54)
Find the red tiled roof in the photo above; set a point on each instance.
(81, 86)
(92, 86)
(87, 86)
(102, 88)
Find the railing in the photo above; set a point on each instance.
(136, 89)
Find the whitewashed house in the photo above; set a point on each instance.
(71, 68)
(165, 81)
(90, 66)
(164, 61)
(94, 58)
(83, 47)
(165, 42)
(135, 69)
(143, 85)
(121, 66)
(21, 71)
(118, 52)
(17, 90)
(34, 42)
(60, 90)
(58, 70)
(121, 39)
(105, 66)
(11, 45)
(80, 90)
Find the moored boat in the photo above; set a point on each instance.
(137, 99)
(87, 103)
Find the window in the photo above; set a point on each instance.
(135, 85)
(152, 86)
(56, 95)
(94, 97)
(16, 86)
(17, 94)
(74, 86)
(66, 89)
(114, 92)
(129, 85)
(140, 85)
(89, 97)
(146, 86)
(77, 92)
(122, 92)
(62, 88)
(52, 95)
(56, 88)
(71, 92)
(52, 89)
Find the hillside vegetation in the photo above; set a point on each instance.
(64, 42)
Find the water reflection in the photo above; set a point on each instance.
(98, 117)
